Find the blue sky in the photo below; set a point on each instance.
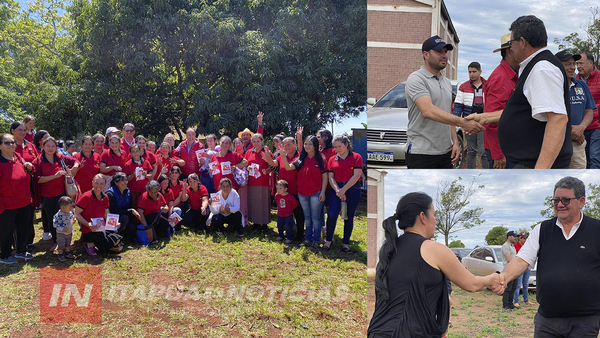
(480, 24)
(513, 198)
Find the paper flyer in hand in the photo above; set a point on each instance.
(174, 219)
(254, 170)
(139, 174)
(214, 168)
(216, 199)
(111, 222)
(226, 168)
(199, 156)
(100, 222)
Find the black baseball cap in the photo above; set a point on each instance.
(564, 55)
(436, 43)
(512, 233)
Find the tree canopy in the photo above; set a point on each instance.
(496, 235)
(456, 244)
(590, 43)
(84, 65)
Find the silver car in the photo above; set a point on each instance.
(484, 260)
(388, 123)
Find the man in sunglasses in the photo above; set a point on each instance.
(128, 138)
(567, 249)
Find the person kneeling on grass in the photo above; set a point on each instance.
(197, 196)
(63, 222)
(150, 207)
(286, 203)
(225, 208)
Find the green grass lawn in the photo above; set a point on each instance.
(206, 286)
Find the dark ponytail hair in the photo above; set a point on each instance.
(408, 209)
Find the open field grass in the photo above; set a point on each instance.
(206, 286)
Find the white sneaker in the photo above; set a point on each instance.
(46, 236)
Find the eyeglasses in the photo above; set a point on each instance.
(565, 200)
(9, 143)
(129, 131)
(511, 41)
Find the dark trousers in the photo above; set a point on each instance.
(195, 218)
(234, 220)
(570, 327)
(208, 182)
(50, 206)
(31, 233)
(287, 224)
(509, 292)
(103, 240)
(161, 225)
(335, 206)
(419, 161)
(299, 216)
(509, 164)
(11, 220)
(128, 227)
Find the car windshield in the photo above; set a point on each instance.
(395, 98)
(465, 252)
(498, 253)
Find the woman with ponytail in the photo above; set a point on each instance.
(410, 285)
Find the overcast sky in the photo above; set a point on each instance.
(480, 24)
(513, 198)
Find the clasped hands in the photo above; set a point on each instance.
(473, 124)
(498, 284)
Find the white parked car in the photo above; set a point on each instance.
(484, 260)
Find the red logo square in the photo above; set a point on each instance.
(71, 295)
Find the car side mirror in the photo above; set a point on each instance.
(371, 101)
(489, 259)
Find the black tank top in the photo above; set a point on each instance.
(418, 304)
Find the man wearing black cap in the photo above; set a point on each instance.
(508, 254)
(432, 140)
(582, 107)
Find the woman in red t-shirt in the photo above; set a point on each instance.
(91, 206)
(312, 181)
(112, 159)
(99, 145)
(197, 196)
(176, 186)
(138, 178)
(259, 196)
(89, 164)
(29, 122)
(344, 174)
(326, 148)
(165, 160)
(50, 178)
(15, 201)
(238, 148)
(151, 205)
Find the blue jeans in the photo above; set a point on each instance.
(335, 206)
(312, 214)
(592, 148)
(287, 224)
(523, 280)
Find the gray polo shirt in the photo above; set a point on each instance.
(425, 136)
(508, 249)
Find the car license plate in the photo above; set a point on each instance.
(380, 156)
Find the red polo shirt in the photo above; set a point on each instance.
(231, 159)
(497, 91)
(254, 157)
(89, 167)
(160, 161)
(27, 151)
(343, 168)
(109, 158)
(291, 176)
(125, 147)
(135, 185)
(42, 167)
(328, 153)
(176, 190)
(29, 136)
(168, 196)
(149, 205)
(285, 204)
(92, 208)
(310, 176)
(195, 197)
(14, 183)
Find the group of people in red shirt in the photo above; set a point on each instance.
(145, 183)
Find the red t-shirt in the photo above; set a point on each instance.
(195, 197)
(125, 148)
(27, 151)
(135, 185)
(29, 136)
(88, 168)
(160, 161)
(149, 205)
(109, 158)
(343, 169)
(92, 208)
(291, 176)
(42, 167)
(14, 184)
(255, 160)
(168, 196)
(328, 153)
(176, 190)
(310, 176)
(226, 164)
(285, 204)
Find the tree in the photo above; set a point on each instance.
(456, 244)
(496, 235)
(591, 43)
(451, 204)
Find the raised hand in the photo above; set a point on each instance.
(259, 117)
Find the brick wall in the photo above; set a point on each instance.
(387, 67)
(398, 27)
(411, 3)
